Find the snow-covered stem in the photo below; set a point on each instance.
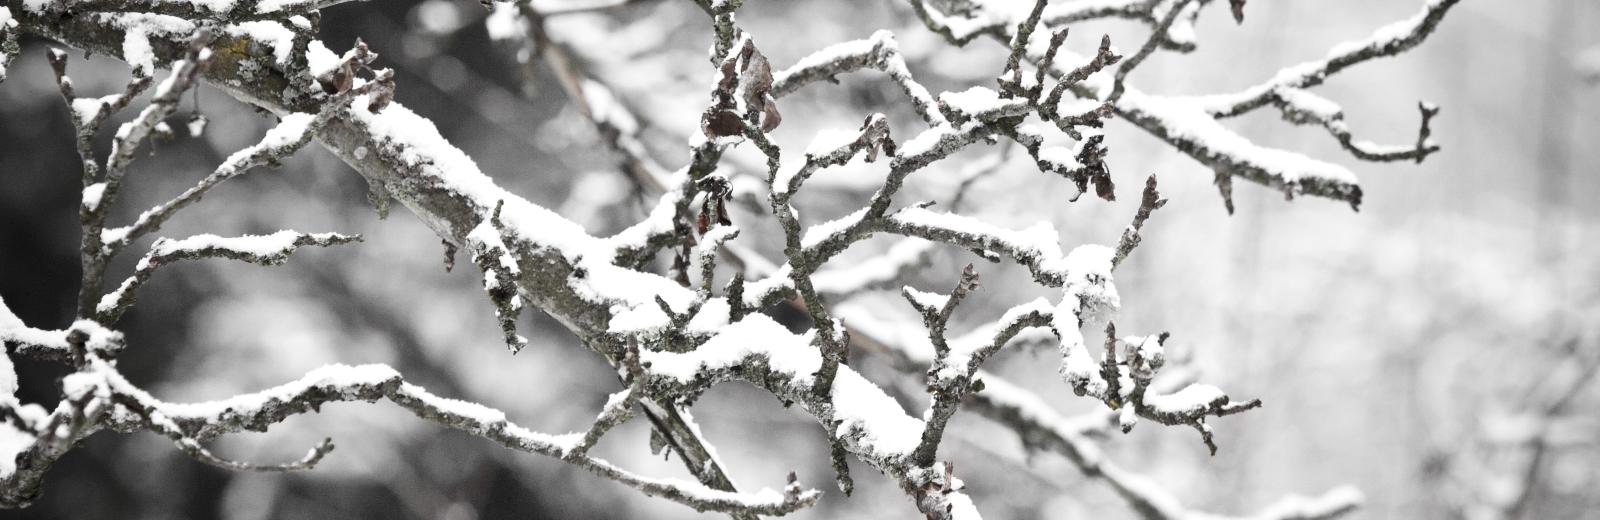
(829, 337)
(880, 52)
(618, 125)
(87, 115)
(619, 407)
(1042, 428)
(1388, 41)
(1189, 123)
(1148, 203)
(283, 140)
(687, 343)
(273, 249)
(1301, 107)
(950, 377)
(500, 271)
(105, 399)
(230, 12)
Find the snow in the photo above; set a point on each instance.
(1326, 506)
(328, 377)
(149, 24)
(277, 243)
(832, 54)
(963, 348)
(1191, 399)
(1060, 157)
(713, 315)
(1317, 106)
(290, 129)
(984, 101)
(1088, 297)
(925, 141)
(486, 237)
(963, 27)
(895, 65)
(778, 281)
(417, 143)
(13, 330)
(88, 108)
(864, 409)
(962, 508)
(503, 22)
(639, 320)
(92, 194)
(100, 338)
(1312, 72)
(272, 6)
(926, 300)
(1148, 347)
(1387, 34)
(755, 335)
(1187, 120)
(274, 34)
(1127, 416)
(468, 410)
(714, 457)
(136, 51)
(1089, 279)
(661, 218)
(1182, 30)
(12, 443)
(632, 292)
(1039, 245)
(822, 232)
(320, 60)
(8, 372)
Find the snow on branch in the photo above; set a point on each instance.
(273, 249)
(880, 51)
(1041, 428)
(100, 397)
(670, 338)
(1387, 41)
(1189, 123)
(292, 133)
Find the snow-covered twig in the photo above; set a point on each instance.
(1148, 203)
(880, 51)
(270, 249)
(671, 342)
(1189, 123)
(292, 132)
(103, 394)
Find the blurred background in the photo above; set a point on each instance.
(1434, 349)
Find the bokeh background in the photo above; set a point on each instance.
(1431, 349)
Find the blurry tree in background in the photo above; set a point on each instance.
(1436, 352)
